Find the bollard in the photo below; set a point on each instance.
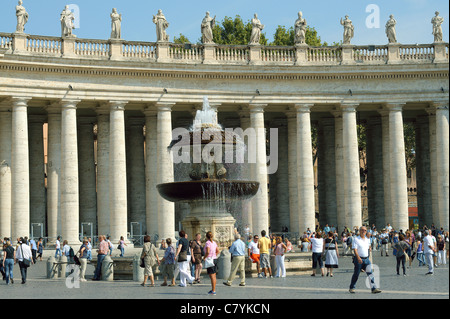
(224, 265)
(62, 267)
(138, 272)
(107, 269)
(52, 271)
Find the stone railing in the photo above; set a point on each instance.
(122, 50)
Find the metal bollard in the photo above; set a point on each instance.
(138, 272)
(224, 265)
(52, 271)
(107, 269)
(62, 267)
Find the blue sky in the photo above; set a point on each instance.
(413, 17)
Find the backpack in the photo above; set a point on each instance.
(349, 240)
(71, 253)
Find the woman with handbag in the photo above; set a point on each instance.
(210, 258)
(183, 258)
(331, 255)
(24, 258)
(401, 248)
(150, 258)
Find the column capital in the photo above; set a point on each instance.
(16, 101)
(291, 113)
(150, 111)
(303, 107)
(69, 103)
(164, 106)
(394, 106)
(348, 106)
(256, 107)
(118, 105)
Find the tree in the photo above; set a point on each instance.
(285, 37)
(234, 32)
(181, 39)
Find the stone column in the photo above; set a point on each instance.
(54, 172)
(442, 156)
(87, 174)
(151, 171)
(136, 171)
(20, 171)
(294, 211)
(118, 208)
(399, 191)
(386, 167)
(433, 167)
(247, 215)
(339, 158)
(69, 173)
(375, 183)
(5, 169)
(166, 209)
(327, 173)
(37, 173)
(103, 212)
(260, 203)
(352, 184)
(305, 169)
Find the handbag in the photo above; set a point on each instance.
(182, 256)
(209, 262)
(324, 255)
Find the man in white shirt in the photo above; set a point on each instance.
(428, 251)
(23, 252)
(58, 247)
(384, 237)
(361, 249)
(254, 254)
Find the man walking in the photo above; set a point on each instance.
(264, 245)
(237, 251)
(428, 250)
(361, 249)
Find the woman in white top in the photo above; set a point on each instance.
(317, 250)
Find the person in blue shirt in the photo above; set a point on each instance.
(237, 251)
(34, 249)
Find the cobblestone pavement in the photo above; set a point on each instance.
(416, 285)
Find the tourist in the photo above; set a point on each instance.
(279, 251)
(237, 251)
(83, 252)
(24, 258)
(361, 250)
(182, 256)
(419, 252)
(108, 239)
(196, 255)
(150, 257)
(58, 247)
(89, 256)
(121, 246)
(102, 251)
(211, 252)
(168, 264)
(66, 250)
(332, 254)
(446, 243)
(288, 246)
(401, 247)
(317, 250)
(254, 253)
(264, 245)
(8, 262)
(40, 248)
(409, 239)
(428, 250)
(384, 237)
(350, 237)
(162, 246)
(306, 243)
(34, 249)
(344, 243)
(442, 259)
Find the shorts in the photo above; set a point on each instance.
(212, 270)
(255, 258)
(264, 261)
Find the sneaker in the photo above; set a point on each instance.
(352, 291)
(242, 285)
(260, 275)
(212, 293)
(429, 273)
(227, 283)
(376, 291)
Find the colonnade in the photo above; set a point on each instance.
(126, 173)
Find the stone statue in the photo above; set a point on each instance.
(161, 26)
(349, 29)
(116, 22)
(22, 17)
(256, 30)
(300, 29)
(390, 29)
(437, 21)
(67, 25)
(208, 24)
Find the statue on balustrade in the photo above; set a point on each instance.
(437, 27)
(67, 24)
(349, 29)
(116, 24)
(300, 30)
(161, 26)
(208, 24)
(256, 30)
(22, 17)
(390, 29)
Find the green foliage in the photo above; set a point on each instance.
(285, 37)
(234, 32)
(181, 39)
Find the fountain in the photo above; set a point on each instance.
(212, 182)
